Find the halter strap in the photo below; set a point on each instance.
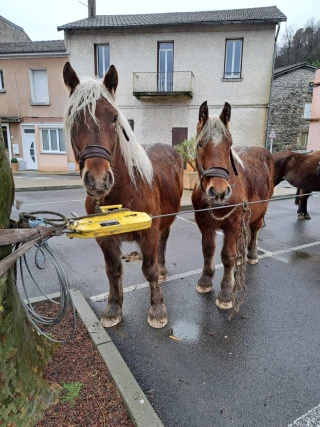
(93, 151)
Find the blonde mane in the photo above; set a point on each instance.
(84, 98)
(214, 130)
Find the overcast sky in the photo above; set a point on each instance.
(40, 18)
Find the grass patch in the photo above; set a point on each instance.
(72, 391)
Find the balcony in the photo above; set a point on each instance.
(178, 83)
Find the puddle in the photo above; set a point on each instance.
(186, 331)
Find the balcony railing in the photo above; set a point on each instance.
(178, 83)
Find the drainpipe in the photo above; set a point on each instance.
(271, 85)
(91, 8)
(17, 97)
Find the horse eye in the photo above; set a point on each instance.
(115, 119)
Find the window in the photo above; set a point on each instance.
(307, 111)
(1, 82)
(233, 59)
(52, 141)
(39, 87)
(304, 139)
(131, 123)
(165, 67)
(310, 87)
(102, 59)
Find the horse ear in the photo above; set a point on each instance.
(226, 114)
(111, 79)
(203, 113)
(70, 77)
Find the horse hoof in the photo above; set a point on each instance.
(157, 323)
(223, 305)
(252, 261)
(307, 216)
(157, 316)
(108, 323)
(203, 289)
(163, 278)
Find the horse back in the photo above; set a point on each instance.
(258, 172)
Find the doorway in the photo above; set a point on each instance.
(29, 148)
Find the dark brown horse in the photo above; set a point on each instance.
(249, 179)
(115, 169)
(300, 170)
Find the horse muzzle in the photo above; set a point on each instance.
(98, 185)
(218, 196)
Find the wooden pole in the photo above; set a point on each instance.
(24, 394)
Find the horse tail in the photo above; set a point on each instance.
(298, 193)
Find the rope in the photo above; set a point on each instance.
(240, 289)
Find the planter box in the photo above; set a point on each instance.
(189, 179)
(14, 167)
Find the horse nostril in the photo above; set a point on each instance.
(228, 192)
(211, 193)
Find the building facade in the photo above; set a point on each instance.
(291, 106)
(32, 101)
(168, 64)
(314, 127)
(10, 32)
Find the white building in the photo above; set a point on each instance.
(169, 63)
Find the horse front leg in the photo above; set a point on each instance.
(208, 248)
(228, 257)
(112, 314)
(157, 316)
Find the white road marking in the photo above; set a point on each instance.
(266, 254)
(310, 419)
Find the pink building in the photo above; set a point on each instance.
(314, 127)
(32, 101)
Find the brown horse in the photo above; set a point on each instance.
(115, 169)
(300, 170)
(249, 179)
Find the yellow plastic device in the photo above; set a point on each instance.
(113, 220)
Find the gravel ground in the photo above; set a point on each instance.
(78, 361)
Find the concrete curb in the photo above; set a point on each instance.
(139, 408)
(51, 187)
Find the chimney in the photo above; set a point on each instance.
(91, 8)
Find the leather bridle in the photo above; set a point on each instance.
(215, 172)
(98, 151)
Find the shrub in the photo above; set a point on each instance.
(187, 150)
(14, 160)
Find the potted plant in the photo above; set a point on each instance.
(187, 150)
(14, 164)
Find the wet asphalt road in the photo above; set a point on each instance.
(261, 369)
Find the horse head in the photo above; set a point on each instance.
(214, 153)
(91, 124)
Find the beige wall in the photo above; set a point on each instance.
(201, 51)
(17, 98)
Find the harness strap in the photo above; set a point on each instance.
(93, 151)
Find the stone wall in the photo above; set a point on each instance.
(289, 96)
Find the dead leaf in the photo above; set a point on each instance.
(211, 333)
(174, 338)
